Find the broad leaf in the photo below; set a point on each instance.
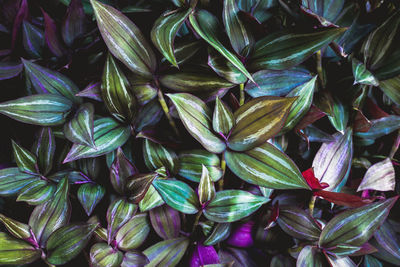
(16, 228)
(89, 195)
(223, 120)
(44, 149)
(157, 156)
(102, 255)
(391, 88)
(12, 180)
(340, 115)
(74, 23)
(26, 161)
(36, 192)
(118, 213)
(386, 236)
(166, 253)
(9, 70)
(380, 177)
(14, 251)
(133, 233)
(134, 258)
(120, 170)
(151, 200)
(225, 68)
(32, 39)
(220, 232)
(310, 257)
(362, 75)
(80, 128)
(381, 127)
(206, 190)
(138, 185)
(166, 222)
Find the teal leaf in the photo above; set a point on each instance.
(36, 192)
(156, 156)
(80, 128)
(89, 195)
(362, 75)
(12, 180)
(32, 39)
(44, 149)
(167, 253)
(26, 161)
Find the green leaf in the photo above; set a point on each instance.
(220, 232)
(26, 161)
(15, 252)
(36, 192)
(44, 149)
(329, 10)
(225, 68)
(108, 136)
(32, 39)
(167, 253)
(43, 110)
(288, 50)
(67, 242)
(355, 226)
(196, 117)
(51, 215)
(134, 258)
(206, 190)
(138, 185)
(151, 200)
(166, 222)
(120, 170)
(12, 180)
(119, 100)
(310, 257)
(178, 195)
(16, 228)
(391, 88)
(156, 156)
(207, 26)
(89, 195)
(124, 39)
(362, 75)
(102, 255)
(142, 88)
(118, 213)
(191, 162)
(79, 129)
(232, 205)
(223, 120)
(133, 233)
(164, 32)
(258, 120)
(340, 116)
(241, 39)
(266, 166)
(185, 50)
(298, 223)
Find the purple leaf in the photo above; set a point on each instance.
(242, 236)
(74, 23)
(92, 91)
(9, 70)
(19, 18)
(165, 221)
(203, 255)
(51, 36)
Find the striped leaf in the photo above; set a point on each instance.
(166, 222)
(224, 68)
(328, 9)
(167, 253)
(134, 258)
(257, 121)
(89, 195)
(151, 200)
(164, 31)
(119, 212)
(15, 252)
(108, 136)
(266, 166)
(133, 233)
(156, 156)
(36, 192)
(44, 149)
(32, 39)
(80, 128)
(92, 91)
(196, 117)
(220, 232)
(102, 255)
(16, 228)
(310, 257)
(391, 88)
(362, 75)
(207, 26)
(223, 120)
(288, 50)
(26, 160)
(138, 185)
(380, 177)
(12, 180)
(232, 205)
(388, 239)
(9, 70)
(120, 170)
(43, 110)
(124, 39)
(74, 23)
(381, 127)
(206, 190)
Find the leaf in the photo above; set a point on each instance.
(51, 36)
(380, 177)
(167, 253)
(220, 233)
(89, 195)
(362, 75)
(156, 156)
(288, 50)
(277, 82)
(102, 255)
(370, 261)
(332, 162)
(74, 22)
(119, 100)
(206, 190)
(118, 213)
(381, 127)
(142, 88)
(16, 228)
(51, 215)
(207, 26)
(178, 195)
(138, 185)
(165, 221)
(196, 117)
(355, 226)
(343, 199)
(9, 70)
(164, 31)
(22, 14)
(32, 39)
(387, 238)
(191, 162)
(36, 192)
(203, 256)
(185, 50)
(12, 180)
(232, 205)
(124, 39)
(108, 136)
(15, 252)
(391, 88)
(134, 258)
(68, 241)
(133, 233)
(340, 116)
(44, 149)
(43, 110)
(266, 166)
(151, 200)
(225, 68)
(223, 120)
(298, 223)
(79, 129)
(92, 91)
(328, 9)
(241, 38)
(149, 115)
(26, 161)
(310, 257)
(257, 121)
(120, 170)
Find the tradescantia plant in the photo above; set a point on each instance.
(200, 133)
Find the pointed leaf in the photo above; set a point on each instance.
(391, 88)
(167, 253)
(362, 75)
(156, 156)
(149, 115)
(219, 234)
(381, 127)
(36, 192)
(258, 120)
(166, 222)
(79, 130)
(206, 190)
(12, 180)
(118, 213)
(51, 36)
(15, 252)
(178, 195)
(196, 117)
(224, 67)
(232, 205)
(74, 23)
(151, 200)
(120, 170)
(266, 166)
(44, 149)
(51, 215)
(340, 116)
(310, 257)
(203, 256)
(138, 185)
(134, 258)
(26, 161)
(388, 239)
(164, 32)
(44, 110)
(9, 70)
(124, 39)
(16, 228)
(92, 91)
(356, 226)
(108, 136)
(133, 233)
(102, 255)
(32, 39)
(68, 241)
(223, 120)
(89, 195)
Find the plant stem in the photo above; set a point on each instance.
(223, 167)
(196, 220)
(241, 101)
(311, 205)
(164, 106)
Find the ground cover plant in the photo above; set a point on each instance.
(199, 133)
